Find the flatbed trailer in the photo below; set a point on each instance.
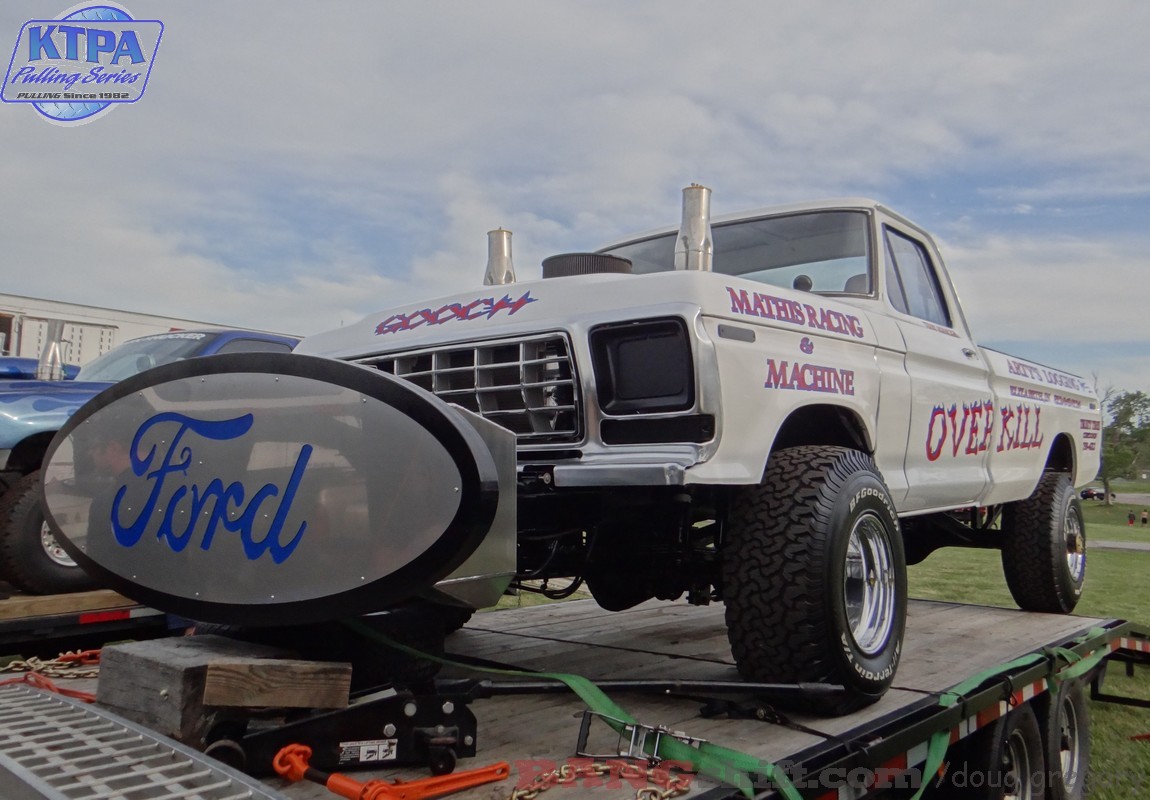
(45, 625)
(965, 668)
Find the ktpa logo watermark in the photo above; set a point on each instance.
(79, 66)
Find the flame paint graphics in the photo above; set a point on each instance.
(967, 431)
(484, 307)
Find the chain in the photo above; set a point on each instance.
(77, 664)
(665, 785)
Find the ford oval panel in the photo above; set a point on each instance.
(269, 488)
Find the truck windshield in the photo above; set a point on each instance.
(824, 251)
(138, 355)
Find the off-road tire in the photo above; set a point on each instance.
(1038, 547)
(784, 569)
(1065, 723)
(24, 561)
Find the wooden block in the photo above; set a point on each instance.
(277, 683)
(160, 684)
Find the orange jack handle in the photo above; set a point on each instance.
(291, 763)
(426, 788)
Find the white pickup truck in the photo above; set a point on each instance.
(776, 409)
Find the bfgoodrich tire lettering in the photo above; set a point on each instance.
(30, 557)
(1044, 550)
(814, 575)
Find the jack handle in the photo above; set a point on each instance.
(291, 763)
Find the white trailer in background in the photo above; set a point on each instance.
(88, 331)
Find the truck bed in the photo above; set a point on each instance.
(946, 643)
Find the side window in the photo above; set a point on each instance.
(922, 295)
(894, 284)
(254, 346)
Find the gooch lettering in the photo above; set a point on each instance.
(482, 307)
(195, 500)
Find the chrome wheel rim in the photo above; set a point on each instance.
(869, 584)
(1017, 769)
(56, 554)
(1075, 545)
(1069, 745)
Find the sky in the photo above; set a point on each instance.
(294, 167)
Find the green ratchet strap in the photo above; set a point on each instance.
(1079, 665)
(721, 763)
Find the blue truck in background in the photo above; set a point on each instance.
(32, 411)
(16, 368)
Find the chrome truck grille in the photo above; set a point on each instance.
(527, 385)
(59, 749)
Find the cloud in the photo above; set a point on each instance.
(294, 168)
(1051, 289)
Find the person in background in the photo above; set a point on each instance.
(1145, 517)
(1130, 518)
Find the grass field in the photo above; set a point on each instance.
(1116, 586)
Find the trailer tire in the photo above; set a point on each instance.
(795, 611)
(1044, 550)
(1004, 759)
(1065, 724)
(30, 557)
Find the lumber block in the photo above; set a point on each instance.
(185, 686)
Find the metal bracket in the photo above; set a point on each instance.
(636, 740)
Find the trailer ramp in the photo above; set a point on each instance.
(55, 748)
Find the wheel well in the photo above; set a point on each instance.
(28, 455)
(1061, 458)
(824, 426)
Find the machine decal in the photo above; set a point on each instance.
(809, 378)
(462, 312)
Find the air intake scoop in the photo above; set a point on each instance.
(569, 264)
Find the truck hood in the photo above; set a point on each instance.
(493, 311)
(28, 407)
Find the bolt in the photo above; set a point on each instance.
(409, 710)
(448, 707)
(389, 730)
(469, 740)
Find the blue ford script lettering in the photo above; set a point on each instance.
(176, 460)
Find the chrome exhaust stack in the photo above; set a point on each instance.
(50, 367)
(694, 247)
(500, 270)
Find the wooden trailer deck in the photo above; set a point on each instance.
(945, 644)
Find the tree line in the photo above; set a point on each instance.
(1126, 437)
